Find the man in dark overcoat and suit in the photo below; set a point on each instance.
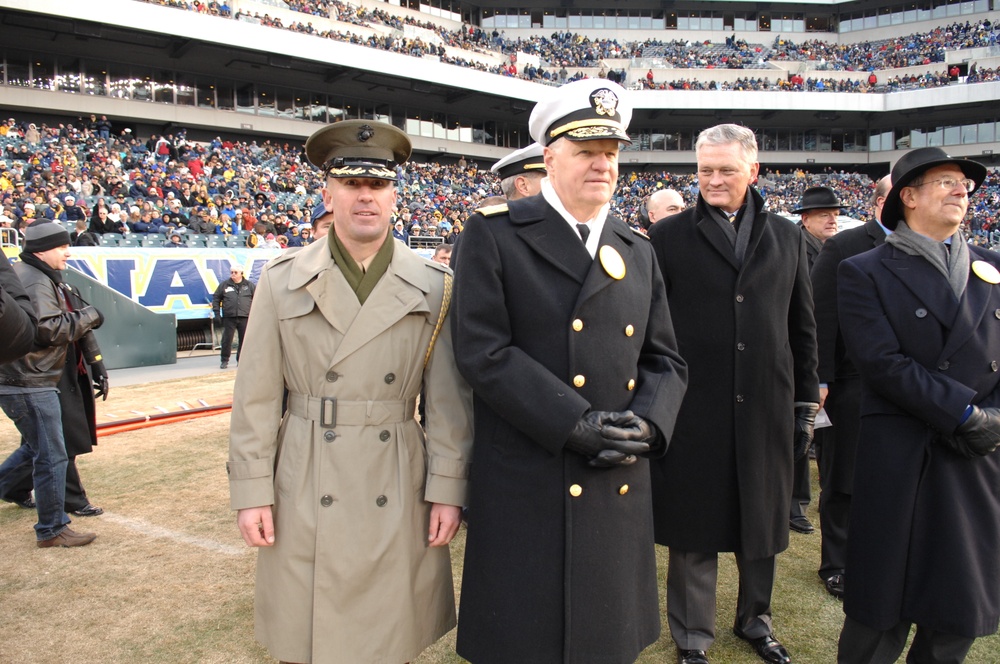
(563, 331)
(921, 319)
(839, 393)
(737, 281)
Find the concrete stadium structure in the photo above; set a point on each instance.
(153, 67)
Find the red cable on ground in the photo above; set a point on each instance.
(148, 421)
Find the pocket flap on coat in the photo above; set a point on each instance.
(294, 304)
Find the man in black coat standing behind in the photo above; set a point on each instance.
(234, 297)
(737, 281)
(818, 209)
(562, 330)
(921, 318)
(839, 393)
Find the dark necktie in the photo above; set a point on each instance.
(584, 232)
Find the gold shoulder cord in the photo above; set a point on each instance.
(445, 304)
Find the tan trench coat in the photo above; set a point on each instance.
(350, 577)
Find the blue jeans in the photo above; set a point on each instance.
(39, 419)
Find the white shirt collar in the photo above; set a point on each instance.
(596, 224)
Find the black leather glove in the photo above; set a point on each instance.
(589, 438)
(978, 435)
(100, 316)
(218, 320)
(100, 377)
(805, 418)
(629, 426)
(612, 459)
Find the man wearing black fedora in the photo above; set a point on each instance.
(818, 210)
(921, 319)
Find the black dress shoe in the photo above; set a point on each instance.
(691, 657)
(800, 524)
(835, 585)
(767, 648)
(88, 510)
(26, 503)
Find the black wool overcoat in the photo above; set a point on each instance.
(559, 560)
(843, 403)
(748, 336)
(924, 542)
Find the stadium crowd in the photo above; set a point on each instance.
(122, 184)
(563, 50)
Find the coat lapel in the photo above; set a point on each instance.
(619, 237)
(926, 283)
(875, 232)
(974, 303)
(717, 239)
(315, 270)
(552, 239)
(400, 291)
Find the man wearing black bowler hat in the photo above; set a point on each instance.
(921, 319)
(818, 210)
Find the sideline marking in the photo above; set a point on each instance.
(147, 528)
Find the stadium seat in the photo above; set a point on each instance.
(110, 240)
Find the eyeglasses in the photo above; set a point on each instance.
(950, 183)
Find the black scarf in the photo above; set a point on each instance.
(34, 261)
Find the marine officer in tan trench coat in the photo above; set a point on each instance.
(351, 503)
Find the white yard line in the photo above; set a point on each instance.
(146, 528)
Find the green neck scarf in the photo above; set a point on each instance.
(362, 283)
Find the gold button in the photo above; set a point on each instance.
(631, 384)
(579, 381)
(575, 490)
(623, 490)
(629, 330)
(577, 324)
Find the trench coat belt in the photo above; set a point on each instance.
(330, 412)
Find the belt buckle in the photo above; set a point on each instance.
(323, 422)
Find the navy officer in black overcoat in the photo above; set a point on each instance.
(737, 280)
(921, 318)
(562, 329)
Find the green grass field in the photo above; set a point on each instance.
(169, 579)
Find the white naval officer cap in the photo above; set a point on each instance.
(525, 160)
(584, 110)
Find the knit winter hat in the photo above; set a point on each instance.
(44, 235)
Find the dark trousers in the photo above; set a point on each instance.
(860, 644)
(834, 513)
(692, 578)
(230, 326)
(76, 495)
(801, 489)
(801, 480)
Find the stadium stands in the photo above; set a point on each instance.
(430, 192)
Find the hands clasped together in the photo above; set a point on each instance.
(611, 439)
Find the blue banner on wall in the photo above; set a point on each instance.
(176, 281)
